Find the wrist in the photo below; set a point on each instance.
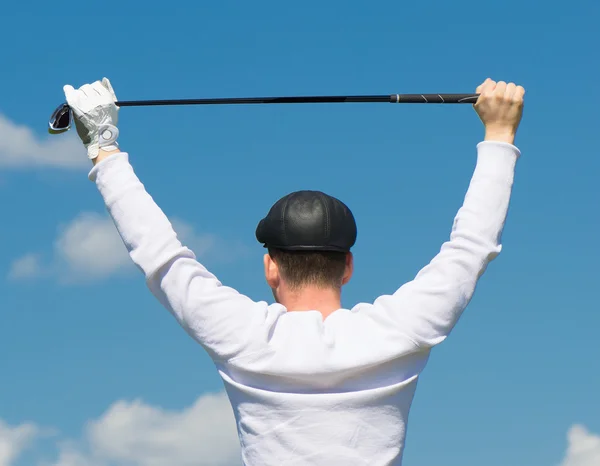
(103, 154)
(500, 135)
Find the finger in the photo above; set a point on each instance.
(87, 90)
(485, 91)
(481, 86)
(500, 89)
(519, 93)
(68, 90)
(70, 93)
(98, 88)
(106, 83)
(488, 91)
(510, 91)
(487, 86)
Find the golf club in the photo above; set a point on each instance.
(61, 119)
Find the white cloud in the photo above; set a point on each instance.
(134, 433)
(90, 248)
(13, 440)
(28, 266)
(583, 447)
(137, 433)
(86, 248)
(21, 148)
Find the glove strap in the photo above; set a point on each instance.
(107, 137)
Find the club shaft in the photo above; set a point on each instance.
(58, 123)
(393, 98)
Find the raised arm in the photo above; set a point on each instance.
(427, 308)
(225, 322)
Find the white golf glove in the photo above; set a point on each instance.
(95, 115)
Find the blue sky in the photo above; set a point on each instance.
(79, 331)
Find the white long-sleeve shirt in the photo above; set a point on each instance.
(307, 390)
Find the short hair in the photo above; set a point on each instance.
(324, 269)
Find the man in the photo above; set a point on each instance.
(311, 383)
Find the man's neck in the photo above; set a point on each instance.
(326, 301)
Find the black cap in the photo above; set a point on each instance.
(308, 221)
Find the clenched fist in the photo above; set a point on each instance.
(500, 107)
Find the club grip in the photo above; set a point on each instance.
(434, 98)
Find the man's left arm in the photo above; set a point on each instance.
(225, 322)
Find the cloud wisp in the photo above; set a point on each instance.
(583, 447)
(21, 148)
(14, 440)
(138, 434)
(90, 248)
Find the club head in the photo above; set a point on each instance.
(61, 119)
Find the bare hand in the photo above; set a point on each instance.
(500, 108)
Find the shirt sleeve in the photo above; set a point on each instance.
(225, 322)
(427, 308)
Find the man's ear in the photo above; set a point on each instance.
(271, 272)
(349, 268)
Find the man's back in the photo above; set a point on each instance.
(337, 391)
